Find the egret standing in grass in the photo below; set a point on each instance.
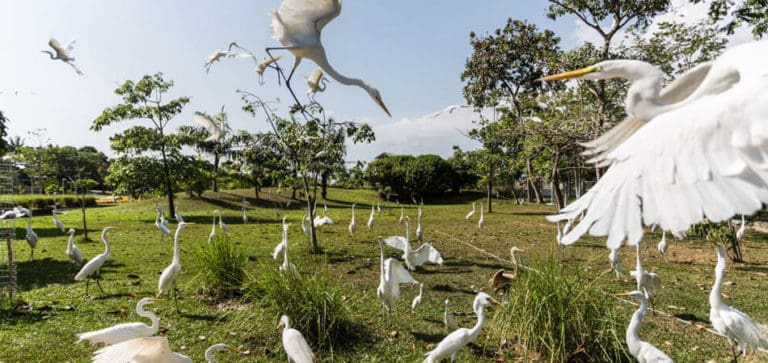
(643, 351)
(370, 220)
(662, 246)
(352, 224)
(481, 221)
(392, 274)
(402, 215)
(740, 232)
(287, 266)
(417, 300)
(419, 229)
(222, 226)
(453, 342)
(471, 213)
(283, 245)
(159, 222)
(245, 215)
(56, 220)
(294, 344)
(177, 215)
(448, 319)
(297, 26)
(31, 237)
(170, 275)
(74, 253)
(212, 235)
(93, 266)
(125, 331)
(414, 258)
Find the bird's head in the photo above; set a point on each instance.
(635, 294)
(376, 95)
(617, 68)
(218, 348)
(71, 231)
(149, 300)
(283, 322)
(483, 300)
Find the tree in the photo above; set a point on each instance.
(197, 138)
(144, 100)
(4, 145)
(751, 12)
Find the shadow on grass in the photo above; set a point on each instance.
(204, 317)
(428, 337)
(107, 295)
(691, 317)
(38, 273)
(13, 316)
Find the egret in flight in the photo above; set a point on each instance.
(642, 350)
(63, 54)
(297, 25)
(93, 266)
(150, 349)
(453, 342)
(125, 331)
(216, 132)
(316, 83)
(692, 150)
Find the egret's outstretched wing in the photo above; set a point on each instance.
(296, 347)
(685, 84)
(214, 130)
(139, 350)
(398, 242)
(426, 253)
(307, 17)
(53, 43)
(114, 334)
(396, 272)
(706, 159)
(314, 78)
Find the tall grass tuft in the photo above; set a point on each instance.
(557, 316)
(222, 268)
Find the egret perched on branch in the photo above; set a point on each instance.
(690, 151)
(414, 258)
(170, 274)
(74, 253)
(31, 238)
(642, 350)
(736, 326)
(149, 349)
(392, 274)
(94, 265)
(125, 331)
(471, 213)
(297, 26)
(294, 344)
(453, 342)
(63, 54)
(352, 224)
(316, 83)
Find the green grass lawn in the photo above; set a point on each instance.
(54, 307)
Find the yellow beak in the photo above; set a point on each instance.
(570, 74)
(623, 294)
(381, 103)
(495, 302)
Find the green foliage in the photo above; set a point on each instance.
(46, 201)
(617, 13)
(751, 12)
(222, 268)
(52, 164)
(5, 146)
(407, 175)
(559, 318)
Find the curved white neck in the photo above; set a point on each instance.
(475, 331)
(633, 336)
(639, 270)
(714, 295)
(71, 243)
(176, 245)
(151, 316)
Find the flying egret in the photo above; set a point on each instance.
(74, 253)
(701, 157)
(643, 351)
(297, 26)
(414, 258)
(419, 229)
(63, 54)
(212, 235)
(149, 349)
(170, 275)
(402, 215)
(662, 246)
(471, 213)
(740, 232)
(283, 245)
(125, 331)
(287, 266)
(265, 63)
(31, 238)
(217, 55)
(177, 215)
(392, 274)
(417, 300)
(57, 222)
(245, 215)
(94, 265)
(738, 327)
(352, 224)
(448, 319)
(453, 342)
(294, 344)
(481, 221)
(370, 220)
(316, 83)
(159, 222)
(216, 132)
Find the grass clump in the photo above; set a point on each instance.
(557, 316)
(222, 268)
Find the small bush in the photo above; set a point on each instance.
(35, 201)
(557, 317)
(222, 268)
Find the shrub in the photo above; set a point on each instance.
(222, 268)
(556, 317)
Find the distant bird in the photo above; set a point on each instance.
(453, 342)
(177, 215)
(125, 331)
(414, 258)
(222, 226)
(419, 230)
(265, 63)
(149, 349)
(305, 227)
(481, 221)
(448, 319)
(738, 327)
(370, 220)
(63, 54)
(316, 83)
(642, 350)
(647, 282)
(219, 54)
(246, 202)
(391, 275)
(212, 235)
(402, 215)
(471, 213)
(170, 275)
(216, 132)
(245, 215)
(378, 208)
(31, 238)
(283, 245)
(297, 26)
(740, 232)
(287, 266)
(94, 265)
(57, 222)
(159, 222)
(294, 344)
(352, 224)
(417, 300)
(321, 221)
(420, 211)
(662, 246)
(16, 212)
(74, 253)
(615, 260)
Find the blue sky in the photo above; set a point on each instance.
(412, 51)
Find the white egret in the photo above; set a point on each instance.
(740, 232)
(266, 62)
(246, 202)
(352, 224)
(420, 212)
(414, 258)
(63, 54)
(370, 220)
(212, 235)
(297, 26)
(287, 266)
(245, 215)
(738, 327)
(419, 229)
(698, 158)
(93, 266)
(321, 221)
(125, 331)
(283, 245)
(31, 238)
(481, 221)
(177, 215)
(159, 222)
(662, 246)
(294, 344)
(149, 349)
(74, 253)
(615, 260)
(216, 132)
(402, 215)
(217, 56)
(471, 213)
(448, 319)
(222, 226)
(643, 351)
(392, 274)
(304, 226)
(16, 212)
(647, 282)
(453, 342)
(316, 83)
(170, 275)
(417, 300)
(57, 222)
(378, 208)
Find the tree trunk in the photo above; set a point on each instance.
(532, 183)
(215, 172)
(85, 222)
(324, 185)
(490, 187)
(168, 184)
(556, 192)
